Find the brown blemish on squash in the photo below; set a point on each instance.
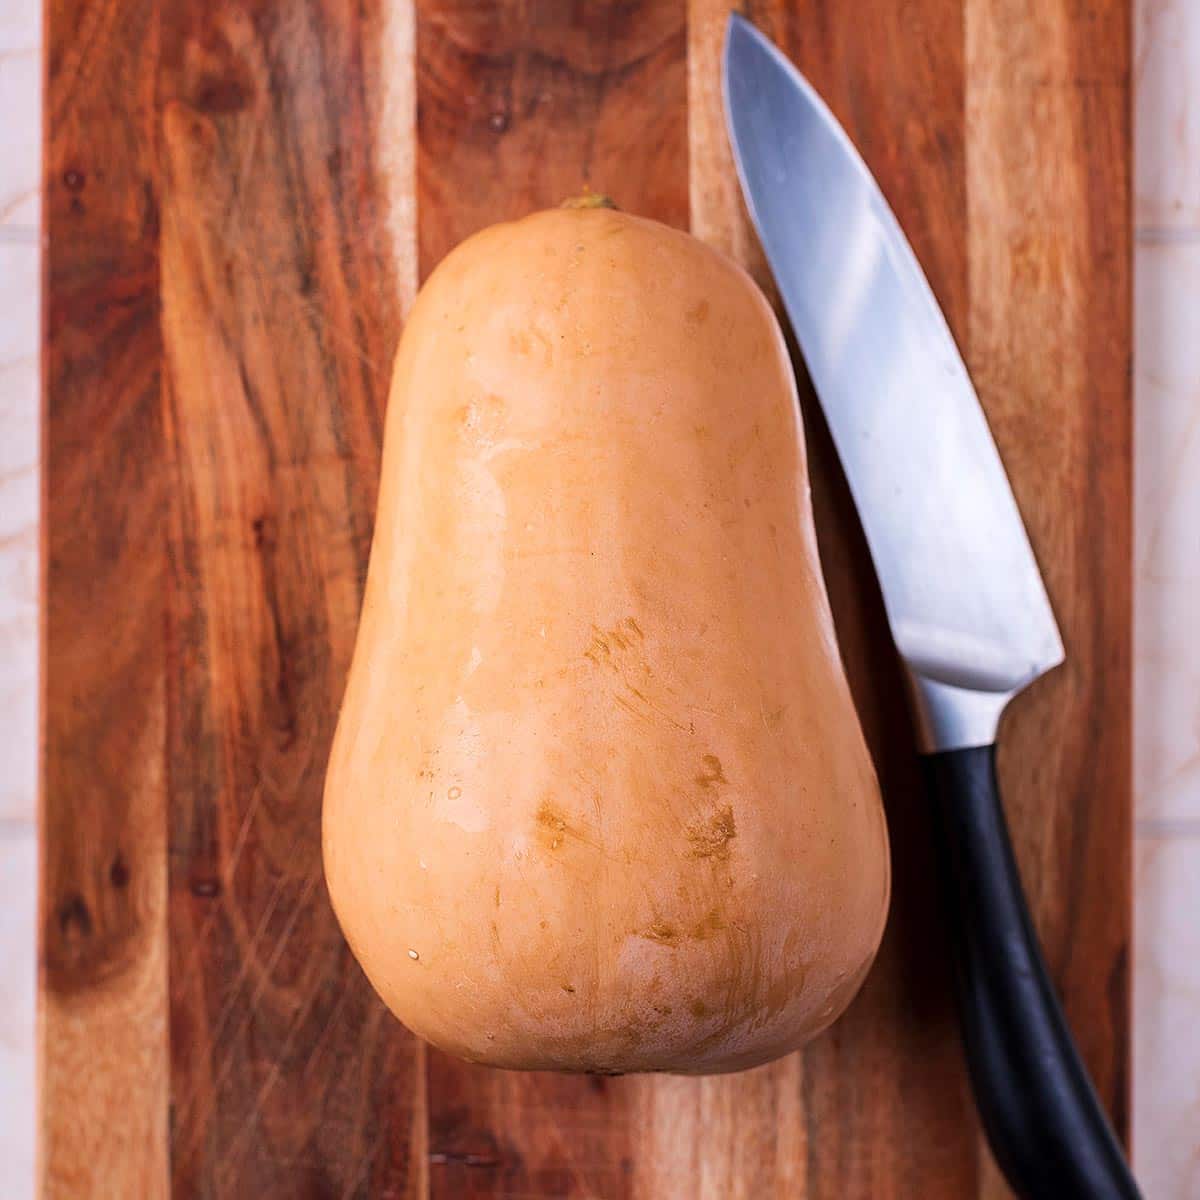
(711, 838)
(552, 825)
(662, 932)
(698, 313)
(481, 420)
(711, 772)
(620, 651)
(698, 1009)
(598, 652)
(667, 934)
(710, 924)
(663, 1010)
(566, 987)
(605, 642)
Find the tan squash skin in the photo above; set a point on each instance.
(598, 798)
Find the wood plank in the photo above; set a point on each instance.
(889, 1080)
(880, 1098)
(1049, 343)
(103, 1027)
(519, 105)
(283, 292)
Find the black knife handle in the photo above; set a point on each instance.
(1046, 1127)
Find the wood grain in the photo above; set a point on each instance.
(241, 197)
(521, 103)
(280, 316)
(737, 1137)
(103, 1027)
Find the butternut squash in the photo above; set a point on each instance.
(598, 798)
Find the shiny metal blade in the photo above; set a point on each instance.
(964, 596)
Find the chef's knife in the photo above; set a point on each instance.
(964, 597)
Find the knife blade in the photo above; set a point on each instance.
(964, 596)
(963, 592)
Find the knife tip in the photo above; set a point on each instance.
(737, 26)
(739, 34)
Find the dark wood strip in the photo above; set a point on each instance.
(103, 803)
(519, 105)
(281, 309)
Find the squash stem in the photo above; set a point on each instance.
(589, 199)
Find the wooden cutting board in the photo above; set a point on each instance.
(241, 197)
